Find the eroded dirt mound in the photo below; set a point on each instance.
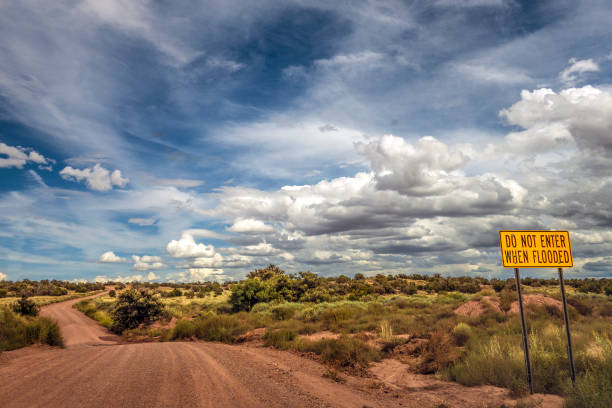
(537, 300)
(475, 308)
(252, 336)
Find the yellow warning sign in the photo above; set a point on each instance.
(535, 249)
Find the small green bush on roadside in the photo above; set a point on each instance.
(17, 332)
(344, 352)
(212, 327)
(25, 307)
(133, 308)
(44, 330)
(280, 339)
(184, 329)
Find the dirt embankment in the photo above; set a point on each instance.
(475, 308)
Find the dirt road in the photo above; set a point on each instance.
(77, 329)
(94, 371)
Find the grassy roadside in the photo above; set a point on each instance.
(17, 331)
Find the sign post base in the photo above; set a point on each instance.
(570, 352)
(517, 276)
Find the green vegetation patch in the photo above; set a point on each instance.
(17, 331)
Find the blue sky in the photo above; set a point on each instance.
(194, 141)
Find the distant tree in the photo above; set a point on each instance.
(269, 272)
(112, 293)
(248, 293)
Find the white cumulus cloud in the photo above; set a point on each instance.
(97, 178)
(186, 247)
(147, 263)
(19, 156)
(582, 114)
(110, 257)
(419, 170)
(250, 226)
(2, 276)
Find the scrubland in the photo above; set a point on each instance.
(459, 329)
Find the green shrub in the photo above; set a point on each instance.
(46, 331)
(498, 361)
(462, 333)
(344, 352)
(16, 332)
(283, 311)
(247, 294)
(280, 339)
(12, 330)
(581, 306)
(112, 293)
(184, 329)
(593, 388)
(176, 292)
(212, 327)
(438, 353)
(25, 307)
(506, 297)
(103, 318)
(337, 314)
(133, 308)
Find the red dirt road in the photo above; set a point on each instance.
(77, 329)
(92, 371)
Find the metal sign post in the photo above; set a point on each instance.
(517, 277)
(538, 249)
(570, 353)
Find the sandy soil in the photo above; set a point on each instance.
(95, 371)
